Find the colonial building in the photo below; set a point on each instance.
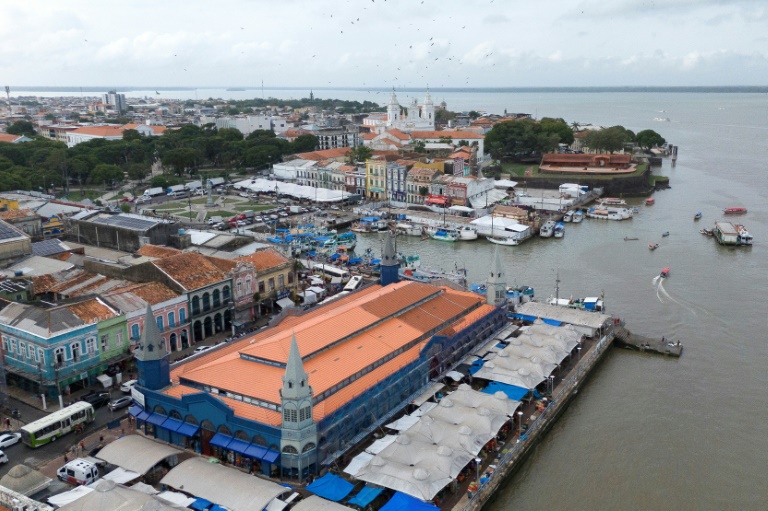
(418, 182)
(396, 174)
(375, 177)
(413, 117)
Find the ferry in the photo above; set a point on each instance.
(612, 201)
(735, 211)
(547, 229)
(610, 213)
(590, 303)
(559, 230)
(727, 233)
(578, 216)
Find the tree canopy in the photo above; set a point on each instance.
(21, 128)
(519, 139)
(648, 139)
(609, 139)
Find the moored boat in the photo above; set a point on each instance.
(653, 246)
(509, 242)
(697, 216)
(568, 216)
(578, 216)
(467, 233)
(612, 201)
(610, 213)
(735, 211)
(650, 201)
(443, 234)
(559, 230)
(409, 229)
(547, 229)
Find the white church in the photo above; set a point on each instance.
(406, 119)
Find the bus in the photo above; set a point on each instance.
(330, 272)
(51, 427)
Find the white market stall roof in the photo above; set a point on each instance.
(294, 190)
(108, 495)
(315, 503)
(428, 456)
(176, 497)
(136, 453)
(358, 463)
(563, 314)
(121, 476)
(462, 209)
(504, 183)
(427, 394)
(225, 486)
(488, 198)
(70, 496)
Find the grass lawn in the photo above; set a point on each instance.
(517, 169)
(254, 207)
(166, 206)
(219, 212)
(75, 195)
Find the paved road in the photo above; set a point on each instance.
(20, 453)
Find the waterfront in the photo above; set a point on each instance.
(651, 432)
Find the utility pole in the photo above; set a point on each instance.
(8, 95)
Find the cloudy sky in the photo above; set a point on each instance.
(383, 43)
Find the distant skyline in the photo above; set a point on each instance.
(384, 43)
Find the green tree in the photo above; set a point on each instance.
(648, 139)
(181, 160)
(21, 128)
(420, 146)
(130, 135)
(304, 143)
(125, 207)
(106, 174)
(609, 139)
(515, 140)
(557, 127)
(137, 171)
(359, 153)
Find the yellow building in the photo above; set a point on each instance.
(375, 178)
(8, 204)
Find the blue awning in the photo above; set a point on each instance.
(271, 456)
(217, 507)
(156, 419)
(171, 424)
(512, 391)
(476, 366)
(331, 487)
(135, 410)
(552, 322)
(238, 445)
(221, 440)
(188, 429)
(403, 502)
(365, 496)
(142, 416)
(256, 451)
(200, 504)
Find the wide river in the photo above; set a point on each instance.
(645, 432)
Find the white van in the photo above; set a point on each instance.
(78, 472)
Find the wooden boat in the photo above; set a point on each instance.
(509, 242)
(443, 234)
(650, 201)
(664, 273)
(467, 233)
(627, 238)
(707, 232)
(735, 211)
(568, 216)
(578, 217)
(653, 246)
(697, 216)
(665, 234)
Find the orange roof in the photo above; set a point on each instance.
(43, 283)
(265, 260)
(191, 270)
(101, 131)
(92, 311)
(325, 154)
(7, 137)
(449, 134)
(74, 280)
(399, 134)
(368, 136)
(150, 292)
(244, 410)
(157, 251)
(17, 213)
(225, 265)
(157, 130)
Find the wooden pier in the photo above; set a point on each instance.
(626, 339)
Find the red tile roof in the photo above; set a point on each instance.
(450, 134)
(326, 154)
(191, 270)
(157, 251)
(7, 137)
(265, 260)
(92, 311)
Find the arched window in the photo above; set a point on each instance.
(75, 351)
(160, 410)
(239, 292)
(171, 319)
(225, 293)
(248, 285)
(259, 440)
(135, 331)
(216, 298)
(174, 415)
(190, 419)
(207, 425)
(224, 430)
(289, 449)
(206, 302)
(242, 435)
(195, 305)
(309, 447)
(160, 323)
(182, 315)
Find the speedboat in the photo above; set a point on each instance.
(697, 216)
(653, 246)
(650, 201)
(547, 229)
(665, 234)
(735, 211)
(664, 273)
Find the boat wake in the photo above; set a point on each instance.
(662, 294)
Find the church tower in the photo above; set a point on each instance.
(152, 356)
(496, 286)
(393, 110)
(389, 262)
(428, 110)
(298, 439)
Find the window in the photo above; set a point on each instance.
(216, 298)
(159, 320)
(40, 355)
(195, 305)
(225, 293)
(119, 339)
(13, 345)
(248, 285)
(90, 345)
(6, 345)
(105, 342)
(239, 287)
(272, 284)
(281, 281)
(261, 286)
(75, 352)
(171, 319)
(22, 349)
(182, 315)
(290, 278)
(135, 331)
(206, 302)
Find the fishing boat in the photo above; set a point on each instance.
(665, 234)
(409, 229)
(467, 233)
(568, 216)
(650, 201)
(627, 238)
(578, 216)
(547, 229)
(664, 273)
(347, 240)
(707, 232)
(697, 216)
(559, 230)
(735, 211)
(443, 234)
(509, 242)
(515, 295)
(653, 246)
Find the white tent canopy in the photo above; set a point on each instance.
(293, 190)
(70, 496)
(380, 444)
(315, 503)
(176, 497)
(136, 453)
(226, 486)
(358, 463)
(498, 226)
(121, 476)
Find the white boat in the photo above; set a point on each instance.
(409, 229)
(547, 229)
(612, 201)
(609, 213)
(568, 216)
(443, 234)
(509, 242)
(467, 233)
(559, 230)
(578, 216)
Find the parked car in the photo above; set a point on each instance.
(96, 399)
(3, 458)
(9, 439)
(200, 349)
(120, 402)
(283, 215)
(128, 385)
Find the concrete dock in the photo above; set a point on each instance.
(626, 339)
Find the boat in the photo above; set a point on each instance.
(664, 273)
(467, 233)
(509, 242)
(743, 238)
(727, 233)
(650, 201)
(661, 119)
(568, 216)
(707, 232)
(559, 230)
(610, 213)
(590, 303)
(665, 234)
(409, 229)
(515, 295)
(443, 234)
(578, 216)
(612, 201)
(697, 216)
(547, 229)
(735, 211)
(653, 246)
(427, 275)
(627, 238)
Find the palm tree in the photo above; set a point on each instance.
(296, 267)
(575, 126)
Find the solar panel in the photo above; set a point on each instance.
(48, 247)
(126, 222)
(8, 232)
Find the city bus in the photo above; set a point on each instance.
(52, 426)
(330, 272)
